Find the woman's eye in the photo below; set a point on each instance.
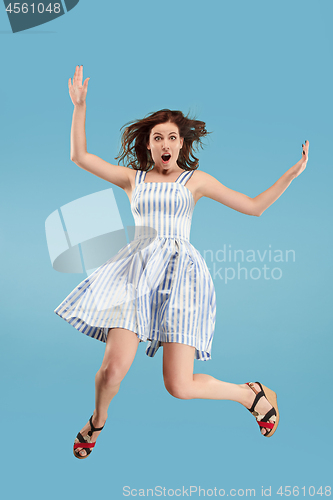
(157, 138)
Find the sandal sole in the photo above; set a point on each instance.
(272, 399)
(79, 456)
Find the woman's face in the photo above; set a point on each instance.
(165, 144)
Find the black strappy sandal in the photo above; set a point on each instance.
(86, 442)
(272, 414)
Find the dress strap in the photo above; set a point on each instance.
(184, 177)
(139, 177)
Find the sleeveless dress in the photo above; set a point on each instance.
(159, 285)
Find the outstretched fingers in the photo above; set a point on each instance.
(78, 78)
(77, 75)
(77, 91)
(80, 75)
(85, 84)
(305, 147)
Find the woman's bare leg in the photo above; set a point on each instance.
(120, 350)
(180, 382)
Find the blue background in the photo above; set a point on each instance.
(260, 75)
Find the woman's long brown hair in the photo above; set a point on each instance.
(135, 139)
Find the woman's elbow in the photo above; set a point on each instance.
(254, 209)
(75, 159)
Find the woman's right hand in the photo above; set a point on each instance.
(77, 91)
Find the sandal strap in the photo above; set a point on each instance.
(268, 415)
(267, 425)
(260, 386)
(259, 395)
(93, 429)
(256, 400)
(83, 443)
(81, 438)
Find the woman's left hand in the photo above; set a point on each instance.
(300, 166)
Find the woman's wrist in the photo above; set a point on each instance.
(81, 105)
(290, 174)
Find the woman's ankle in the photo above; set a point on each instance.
(99, 419)
(247, 396)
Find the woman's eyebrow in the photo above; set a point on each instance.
(160, 133)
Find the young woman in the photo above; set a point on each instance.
(158, 288)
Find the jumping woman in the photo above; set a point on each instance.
(158, 289)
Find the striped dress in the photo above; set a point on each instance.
(159, 285)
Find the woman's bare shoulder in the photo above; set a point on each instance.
(199, 179)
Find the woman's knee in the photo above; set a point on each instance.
(121, 347)
(178, 389)
(113, 373)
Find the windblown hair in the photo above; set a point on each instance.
(135, 139)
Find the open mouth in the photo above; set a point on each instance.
(166, 158)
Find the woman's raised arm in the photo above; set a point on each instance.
(212, 188)
(115, 174)
(268, 197)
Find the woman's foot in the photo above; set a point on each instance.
(261, 408)
(97, 423)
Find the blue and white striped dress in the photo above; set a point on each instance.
(159, 285)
